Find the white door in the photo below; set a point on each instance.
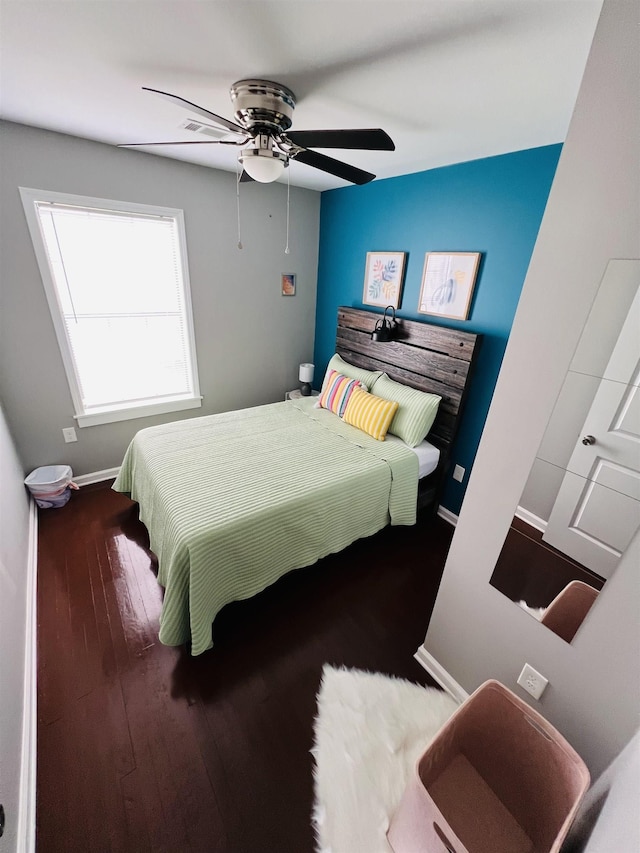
(597, 510)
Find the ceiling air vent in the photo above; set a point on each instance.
(204, 129)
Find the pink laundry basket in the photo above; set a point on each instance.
(497, 778)
(568, 609)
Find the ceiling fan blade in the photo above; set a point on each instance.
(366, 139)
(334, 167)
(195, 142)
(230, 125)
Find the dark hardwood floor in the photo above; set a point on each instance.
(144, 748)
(531, 570)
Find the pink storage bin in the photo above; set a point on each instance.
(497, 778)
(568, 609)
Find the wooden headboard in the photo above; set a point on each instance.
(427, 357)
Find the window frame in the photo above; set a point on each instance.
(109, 414)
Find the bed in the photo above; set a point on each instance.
(234, 501)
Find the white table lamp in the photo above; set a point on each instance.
(305, 375)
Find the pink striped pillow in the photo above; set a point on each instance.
(336, 392)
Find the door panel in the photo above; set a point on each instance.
(597, 509)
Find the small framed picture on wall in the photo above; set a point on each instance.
(383, 279)
(288, 284)
(448, 281)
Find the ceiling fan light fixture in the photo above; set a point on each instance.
(263, 164)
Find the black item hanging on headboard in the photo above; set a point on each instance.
(385, 330)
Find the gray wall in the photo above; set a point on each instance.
(249, 338)
(592, 215)
(607, 821)
(14, 549)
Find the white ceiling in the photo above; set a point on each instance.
(449, 81)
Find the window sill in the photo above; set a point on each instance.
(115, 415)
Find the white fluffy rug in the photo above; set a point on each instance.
(369, 732)
(536, 612)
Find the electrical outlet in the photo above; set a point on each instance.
(69, 434)
(531, 681)
(458, 473)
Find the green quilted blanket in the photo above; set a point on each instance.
(234, 501)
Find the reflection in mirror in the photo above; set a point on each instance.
(581, 504)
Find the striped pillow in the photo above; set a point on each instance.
(337, 391)
(366, 377)
(417, 411)
(370, 413)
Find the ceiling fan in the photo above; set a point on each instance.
(263, 114)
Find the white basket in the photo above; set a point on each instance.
(50, 485)
(49, 478)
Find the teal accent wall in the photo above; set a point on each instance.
(493, 206)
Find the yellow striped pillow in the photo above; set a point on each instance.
(369, 413)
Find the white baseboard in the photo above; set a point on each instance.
(437, 671)
(96, 477)
(447, 515)
(27, 801)
(531, 519)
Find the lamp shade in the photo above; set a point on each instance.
(305, 374)
(263, 164)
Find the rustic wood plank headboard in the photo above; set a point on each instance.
(427, 357)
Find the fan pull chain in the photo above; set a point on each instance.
(238, 176)
(286, 248)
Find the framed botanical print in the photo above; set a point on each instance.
(383, 279)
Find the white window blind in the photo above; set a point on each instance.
(124, 312)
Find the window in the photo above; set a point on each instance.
(117, 283)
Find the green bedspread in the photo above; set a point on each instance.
(234, 501)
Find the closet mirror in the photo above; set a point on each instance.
(581, 504)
